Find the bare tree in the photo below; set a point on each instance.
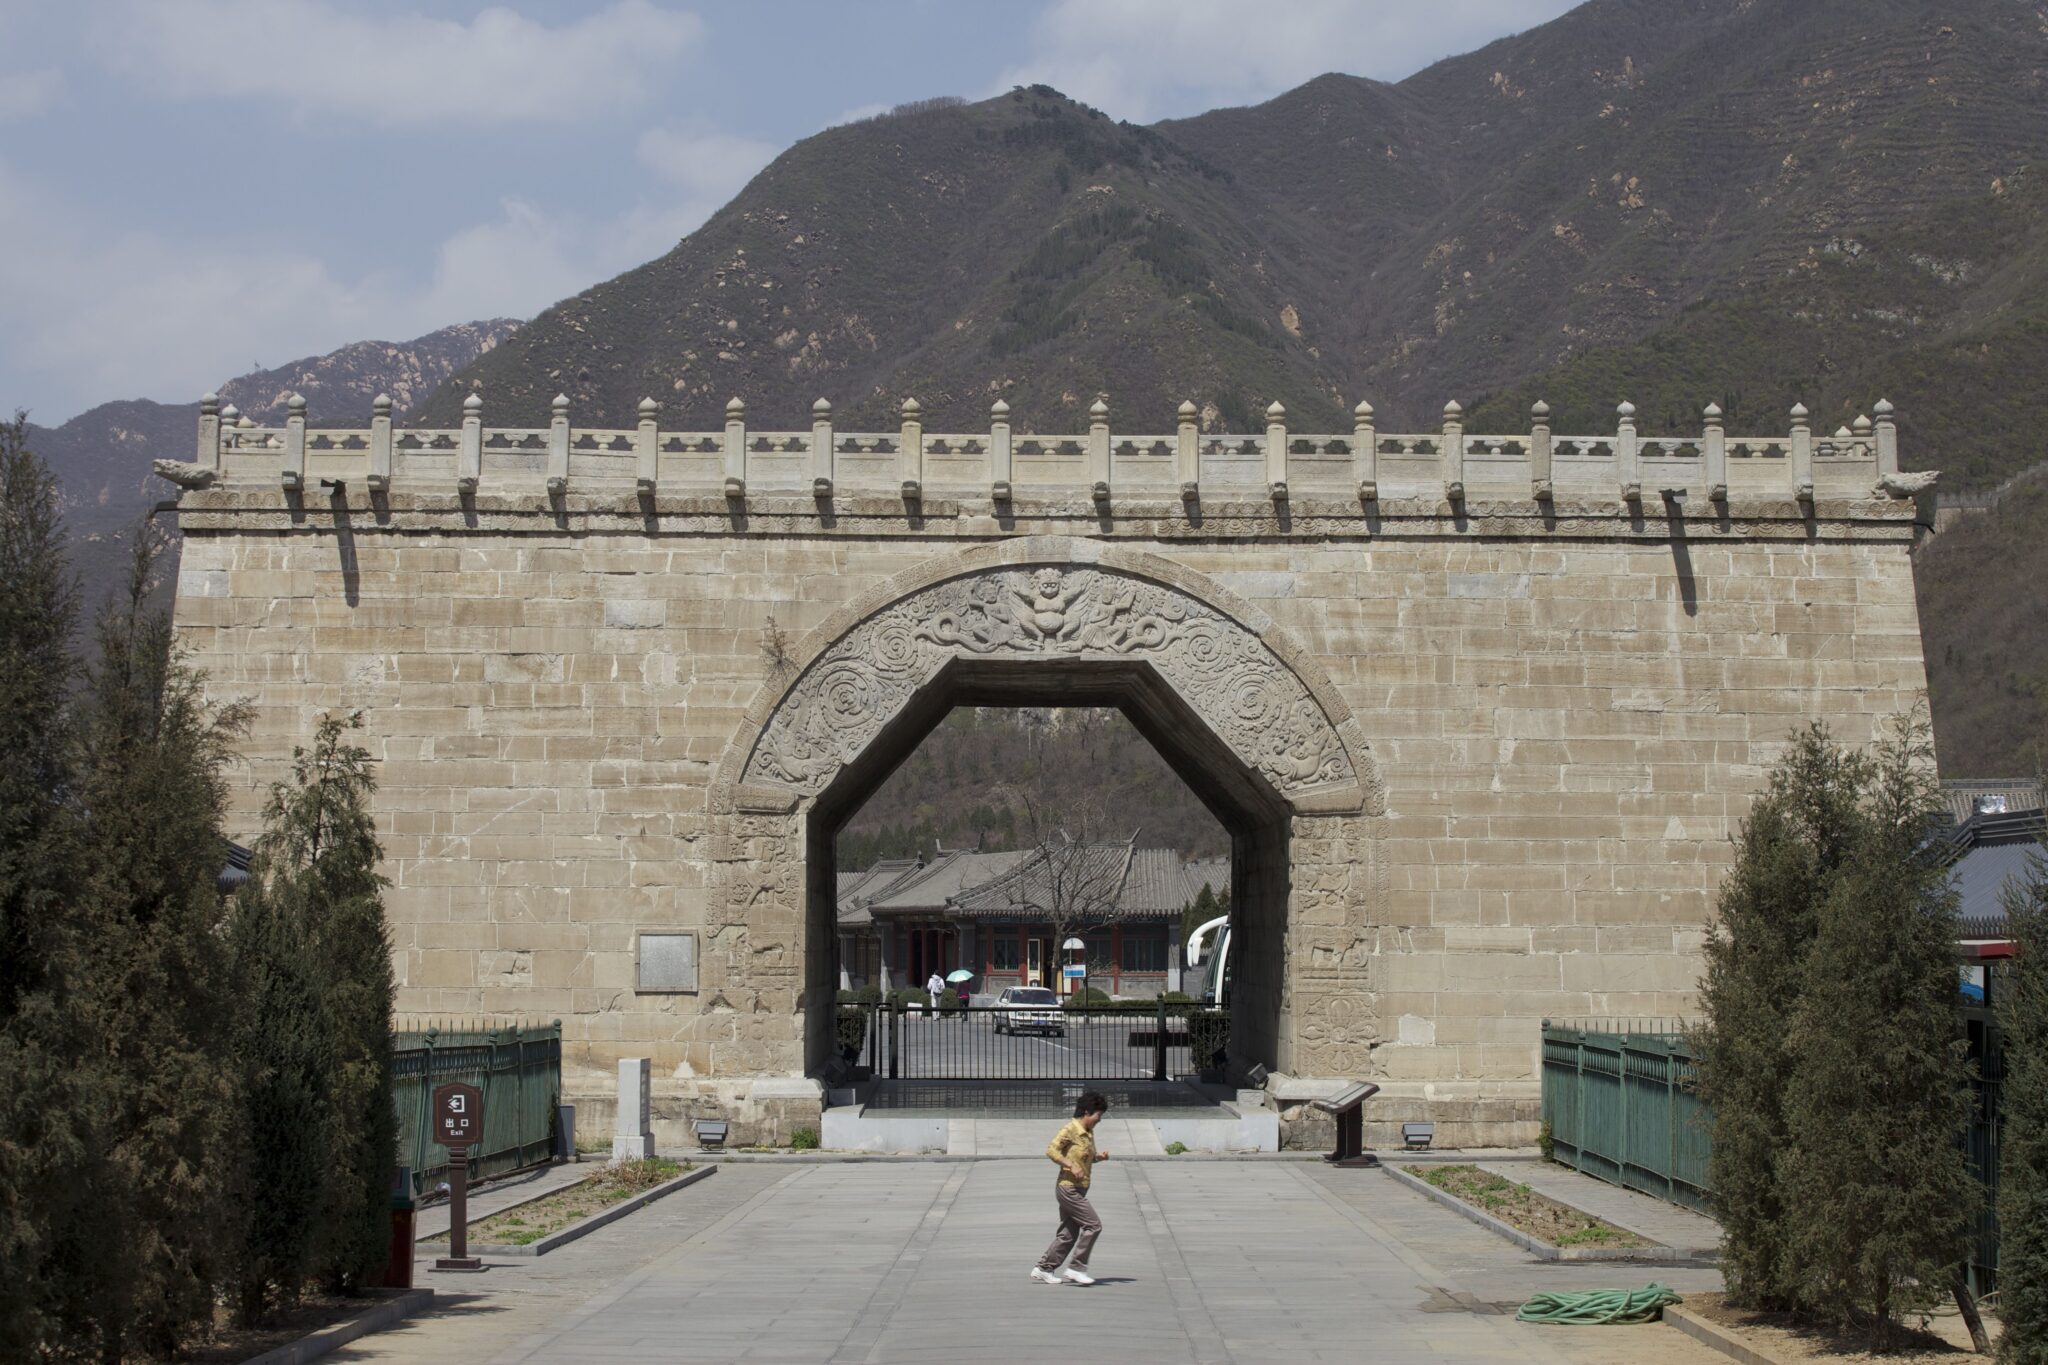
(1070, 878)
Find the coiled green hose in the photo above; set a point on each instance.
(1598, 1307)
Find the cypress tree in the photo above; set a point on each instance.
(2022, 1002)
(1876, 1186)
(320, 846)
(284, 1057)
(1797, 836)
(46, 1138)
(154, 991)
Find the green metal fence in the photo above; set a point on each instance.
(1621, 1106)
(519, 1069)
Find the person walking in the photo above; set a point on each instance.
(1073, 1151)
(935, 986)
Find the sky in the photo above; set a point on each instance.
(190, 189)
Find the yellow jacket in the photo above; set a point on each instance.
(1074, 1149)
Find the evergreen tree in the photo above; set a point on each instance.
(1798, 836)
(320, 849)
(153, 991)
(1876, 1185)
(46, 1134)
(2022, 999)
(284, 1057)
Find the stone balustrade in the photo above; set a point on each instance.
(1360, 466)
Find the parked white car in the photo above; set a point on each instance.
(1029, 1009)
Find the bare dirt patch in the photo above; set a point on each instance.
(1523, 1209)
(528, 1223)
(229, 1344)
(1787, 1336)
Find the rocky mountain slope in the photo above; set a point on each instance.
(1754, 202)
(102, 456)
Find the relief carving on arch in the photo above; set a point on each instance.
(1224, 672)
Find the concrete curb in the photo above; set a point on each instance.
(1654, 1254)
(544, 1245)
(507, 1208)
(1722, 1340)
(400, 1305)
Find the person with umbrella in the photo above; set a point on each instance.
(960, 976)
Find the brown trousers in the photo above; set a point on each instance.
(1079, 1227)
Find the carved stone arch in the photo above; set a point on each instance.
(1054, 598)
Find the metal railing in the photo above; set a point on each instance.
(519, 1069)
(1622, 1106)
(1154, 1040)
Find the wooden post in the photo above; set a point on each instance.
(458, 1123)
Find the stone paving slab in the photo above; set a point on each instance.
(1645, 1215)
(926, 1261)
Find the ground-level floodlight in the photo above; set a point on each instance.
(711, 1134)
(1416, 1137)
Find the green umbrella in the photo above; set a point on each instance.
(961, 974)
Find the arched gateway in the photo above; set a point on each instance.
(1480, 711)
(1244, 716)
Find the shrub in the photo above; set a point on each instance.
(1178, 998)
(1209, 1037)
(908, 995)
(1176, 1148)
(1088, 998)
(1545, 1142)
(804, 1140)
(850, 1029)
(953, 1002)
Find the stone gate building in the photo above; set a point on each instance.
(1480, 712)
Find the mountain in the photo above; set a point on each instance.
(102, 456)
(1104, 780)
(1754, 202)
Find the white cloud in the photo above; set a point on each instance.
(317, 58)
(1150, 59)
(97, 313)
(24, 94)
(703, 163)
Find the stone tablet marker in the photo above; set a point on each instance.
(633, 1137)
(458, 1126)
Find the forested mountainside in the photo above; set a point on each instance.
(102, 456)
(977, 780)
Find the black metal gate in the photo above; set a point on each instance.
(1149, 1041)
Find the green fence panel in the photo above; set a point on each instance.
(1619, 1108)
(519, 1070)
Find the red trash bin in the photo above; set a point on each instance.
(398, 1256)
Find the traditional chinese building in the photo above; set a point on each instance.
(1002, 916)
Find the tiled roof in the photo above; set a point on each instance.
(1145, 883)
(2017, 793)
(1985, 854)
(1211, 872)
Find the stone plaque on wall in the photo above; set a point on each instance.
(668, 962)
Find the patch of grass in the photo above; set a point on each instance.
(528, 1223)
(804, 1140)
(1525, 1210)
(1175, 1148)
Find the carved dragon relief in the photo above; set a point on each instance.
(1239, 688)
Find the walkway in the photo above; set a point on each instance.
(925, 1261)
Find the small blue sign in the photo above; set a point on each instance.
(1075, 971)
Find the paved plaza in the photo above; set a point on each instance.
(1201, 1260)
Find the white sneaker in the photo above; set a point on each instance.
(1079, 1277)
(1044, 1276)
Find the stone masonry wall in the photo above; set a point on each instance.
(1567, 732)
